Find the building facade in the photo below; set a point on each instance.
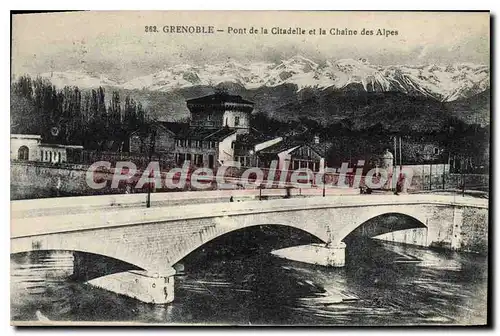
(29, 147)
(25, 147)
(160, 137)
(295, 155)
(204, 147)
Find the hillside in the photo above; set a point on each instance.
(472, 110)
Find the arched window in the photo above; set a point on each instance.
(23, 153)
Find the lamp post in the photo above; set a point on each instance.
(462, 166)
(253, 162)
(148, 197)
(152, 134)
(324, 169)
(393, 177)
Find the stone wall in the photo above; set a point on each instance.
(467, 233)
(474, 230)
(38, 180)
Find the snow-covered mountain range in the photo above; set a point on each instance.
(81, 79)
(442, 82)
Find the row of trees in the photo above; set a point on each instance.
(73, 116)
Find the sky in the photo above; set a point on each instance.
(116, 45)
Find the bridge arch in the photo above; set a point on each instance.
(416, 215)
(211, 233)
(85, 244)
(385, 223)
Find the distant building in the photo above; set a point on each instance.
(295, 155)
(208, 140)
(424, 151)
(204, 147)
(25, 147)
(29, 147)
(164, 134)
(219, 131)
(248, 148)
(221, 110)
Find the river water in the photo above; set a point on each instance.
(382, 284)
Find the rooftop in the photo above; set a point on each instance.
(173, 127)
(199, 133)
(218, 98)
(26, 136)
(319, 148)
(252, 139)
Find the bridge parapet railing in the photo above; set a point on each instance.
(71, 180)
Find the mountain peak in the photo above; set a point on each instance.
(80, 78)
(441, 82)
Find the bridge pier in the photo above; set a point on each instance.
(140, 285)
(317, 254)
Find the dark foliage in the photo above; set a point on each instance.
(72, 116)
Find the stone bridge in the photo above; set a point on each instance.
(155, 239)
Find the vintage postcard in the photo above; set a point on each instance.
(250, 168)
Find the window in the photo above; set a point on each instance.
(242, 161)
(436, 150)
(236, 121)
(23, 153)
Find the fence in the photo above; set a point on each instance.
(141, 160)
(240, 177)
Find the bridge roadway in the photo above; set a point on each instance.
(88, 215)
(155, 239)
(69, 205)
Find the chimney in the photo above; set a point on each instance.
(316, 139)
